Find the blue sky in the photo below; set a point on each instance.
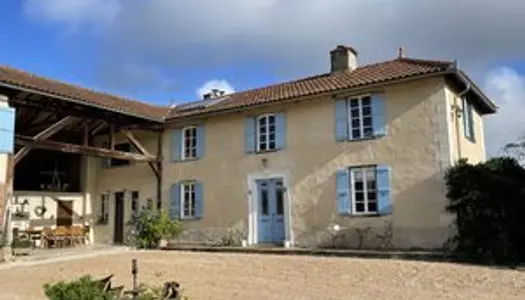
(162, 51)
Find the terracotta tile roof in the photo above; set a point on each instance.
(369, 74)
(26, 80)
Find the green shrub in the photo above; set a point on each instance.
(152, 226)
(488, 200)
(84, 288)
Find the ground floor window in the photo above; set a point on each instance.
(188, 199)
(364, 191)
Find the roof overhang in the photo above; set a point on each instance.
(485, 105)
(79, 102)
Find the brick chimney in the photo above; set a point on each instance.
(343, 58)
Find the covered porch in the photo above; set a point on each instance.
(61, 136)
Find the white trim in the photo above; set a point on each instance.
(183, 142)
(361, 116)
(258, 132)
(182, 204)
(253, 207)
(364, 173)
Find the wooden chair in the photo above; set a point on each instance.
(47, 236)
(77, 235)
(61, 236)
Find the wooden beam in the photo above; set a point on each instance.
(45, 134)
(78, 149)
(159, 169)
(86, 134)
(111, 137)
(98, 127)
(135, 143)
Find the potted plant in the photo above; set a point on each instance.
(154, 229)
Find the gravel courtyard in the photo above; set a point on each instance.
(245, 276)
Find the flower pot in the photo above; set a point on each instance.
(163, 243)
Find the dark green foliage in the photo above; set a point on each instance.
(152, 226)
(489, 202)
(84, 288)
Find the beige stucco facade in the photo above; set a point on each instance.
(422, 142)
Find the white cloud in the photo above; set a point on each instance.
(293, 37)
(220, 84)
(73, 13)
(507, 88)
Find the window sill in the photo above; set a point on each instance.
(266, 151)
(190, 218)
(364, 139)
(186, 160)
(364, 215)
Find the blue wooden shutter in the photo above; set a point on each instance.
(379, 115)
(199, 199)
(384, 190)
(7, 129)
(280, 127)
(344, 192)
(176, 145)
(200, 141)
(249, 135)
(341, 120)
(175, 201)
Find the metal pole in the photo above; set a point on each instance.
(134, 271)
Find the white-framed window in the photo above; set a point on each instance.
(363, 183)
(360, 117)
(134, 202)
(189, 142)
(266, 132)
(104, 209)
(124, 147)
(468, 119)
(187, 198)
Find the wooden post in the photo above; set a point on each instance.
(160, 145)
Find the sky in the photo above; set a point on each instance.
(172, 51)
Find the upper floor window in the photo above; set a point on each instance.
(189, 142)
(360, 117)
(468, 119)
(266, 132)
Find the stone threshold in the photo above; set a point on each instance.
(377, 254)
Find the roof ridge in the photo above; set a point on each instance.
(425, 61)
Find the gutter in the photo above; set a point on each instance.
(471, 86)
(85, 103)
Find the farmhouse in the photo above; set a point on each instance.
(353, 158)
